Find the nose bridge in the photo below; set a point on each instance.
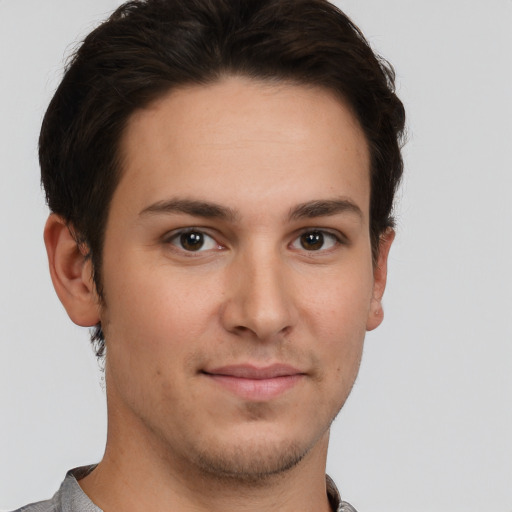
(261, 302)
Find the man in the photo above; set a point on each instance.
(221, 176)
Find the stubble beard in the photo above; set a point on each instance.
(254, 463)
(248, 465)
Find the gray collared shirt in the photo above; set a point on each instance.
(71, 498)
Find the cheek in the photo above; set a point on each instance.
(150, 323)
(340, 340)
(157, 300)
(152, 328)
(340, 303)
(341, 345)
(337, 315)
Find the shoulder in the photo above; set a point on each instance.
(69, 497)
(347, 507)
(41, 506)
(337, 504)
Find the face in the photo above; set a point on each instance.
(238, 274)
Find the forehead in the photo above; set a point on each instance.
(245, 139)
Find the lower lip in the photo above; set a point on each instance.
(257, 389)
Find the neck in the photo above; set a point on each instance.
(137, 474)
(144, 469)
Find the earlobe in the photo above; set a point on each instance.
(71, 273)
(376, 313)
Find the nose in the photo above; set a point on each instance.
(260, 299)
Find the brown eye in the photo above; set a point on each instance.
(317, 240)
(192, 240)
(312, 240)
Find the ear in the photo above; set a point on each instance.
(380, 273)
(71, 273)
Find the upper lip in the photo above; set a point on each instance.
(249, 371)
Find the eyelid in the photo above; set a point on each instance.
(339, 238)
(173, 235)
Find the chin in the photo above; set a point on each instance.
(254, 458)
(250, 464)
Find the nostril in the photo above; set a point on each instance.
(241, 328)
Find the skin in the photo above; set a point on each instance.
(283, 166)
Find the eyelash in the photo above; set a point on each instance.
(335, 238)
(175, 236)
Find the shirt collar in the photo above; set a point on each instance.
(335, 500)
(73, 494)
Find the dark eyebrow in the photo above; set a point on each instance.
(324, 208)
(191, 207)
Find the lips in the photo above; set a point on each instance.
(256, 383)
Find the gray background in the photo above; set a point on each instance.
(429, 424)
